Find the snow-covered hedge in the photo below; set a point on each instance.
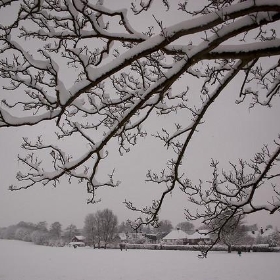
(243, 248)
(264, 248)
(168, 247)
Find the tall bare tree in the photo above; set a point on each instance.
(109, 223)
(164, 226)
(70, 232)
(89, 230)
(228, 229)
(187, 227)
(55, 229)
(120, 75)
(100, 227)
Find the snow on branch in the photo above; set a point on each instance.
(100, 79)
(237, 189)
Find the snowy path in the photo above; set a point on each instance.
(26, 261)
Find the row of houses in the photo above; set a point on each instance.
(176, 236)
(179, 237)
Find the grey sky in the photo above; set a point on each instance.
(230, 131)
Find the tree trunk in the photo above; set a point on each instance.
(229, 249)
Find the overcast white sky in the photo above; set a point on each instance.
(230, 131)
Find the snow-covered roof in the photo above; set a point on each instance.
(175, 234)
(79, 237)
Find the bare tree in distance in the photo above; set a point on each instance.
(55, 229)
(164, 226)
(100, 227)
(70, 232)
(42, 226)
(232, 233)
(89, 230)
(186, 227)
(119, 77)
(125, 227)
(109, 225)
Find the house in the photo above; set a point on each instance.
(77, 241)
(176, 236)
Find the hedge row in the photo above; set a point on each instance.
(243, 248)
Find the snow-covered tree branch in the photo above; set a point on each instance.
(96, 77)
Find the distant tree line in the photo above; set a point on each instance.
(99, 227)
(236, 232)
(102, 228)
(39, 233)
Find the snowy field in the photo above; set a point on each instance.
(26, 261)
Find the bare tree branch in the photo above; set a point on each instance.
(90, 72)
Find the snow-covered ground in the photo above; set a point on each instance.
(26, 261)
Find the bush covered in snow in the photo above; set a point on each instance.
(242, 248)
